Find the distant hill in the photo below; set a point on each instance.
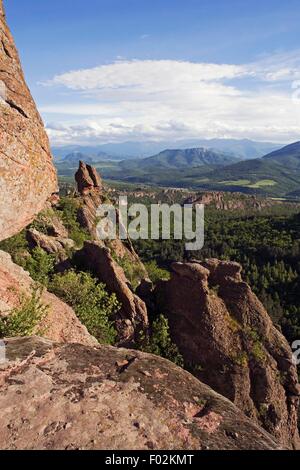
(288, 155)
(75, 157)
(180, 159)
(277, 173)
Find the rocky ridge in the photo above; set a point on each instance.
(229, 341)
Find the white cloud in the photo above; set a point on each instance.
(170, 99)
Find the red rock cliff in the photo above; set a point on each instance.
(27, 174)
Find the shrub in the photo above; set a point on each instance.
(40, 265)
(257, 350)
(133, 270)
(69, 207)
(90, 301)
(42, 223)
(23, 320)
(15, 246)
(159, 342)
(155, 272)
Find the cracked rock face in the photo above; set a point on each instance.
(55, 396)
(27, 175)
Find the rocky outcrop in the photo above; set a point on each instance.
(72, 397)
(60, 323)
(90, 190)
(229, 342)
(87, 179)
(229, 201)
(27, 174)
(91, 196)
(132, 318)
(52, 245)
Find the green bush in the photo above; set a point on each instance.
(69, 207)
(23, 320)
(134, 271)
(155, 272)
(40, 265)
(42, 222)
(159, 342)
(15, 246)
(91, 302)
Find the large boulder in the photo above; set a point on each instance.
(60, 323)
(27, 174)
(229, 342)
(132, 318)
(69, 396)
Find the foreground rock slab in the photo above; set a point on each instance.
(27, 174)
(68, 396)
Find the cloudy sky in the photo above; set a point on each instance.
(117, 70)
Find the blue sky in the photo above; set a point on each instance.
(113, 70)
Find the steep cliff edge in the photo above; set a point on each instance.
(27, 174)
(229, 341)
(73, 397)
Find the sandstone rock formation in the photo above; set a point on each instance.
(229, 341)
(90, 188)
(91, 196)
(52, 245)
(27, 175)
(133, 318)
(73, 397)
(60, 323)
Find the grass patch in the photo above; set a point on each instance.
(262, 184)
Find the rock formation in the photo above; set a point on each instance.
(229, 342)
(27, 175)
(79, 398)
(60, 323)
(132, 319)
(229, 201)
(91, 196)
(57, 246)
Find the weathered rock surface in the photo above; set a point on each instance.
(74, 397)
(52, 245)
(27, 174)
(132, 318)
(225, 334)
(60, 323)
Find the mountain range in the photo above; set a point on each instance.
(276, 174)
(242, 149)
(178, 159)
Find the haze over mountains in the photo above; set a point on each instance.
(242, 149)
